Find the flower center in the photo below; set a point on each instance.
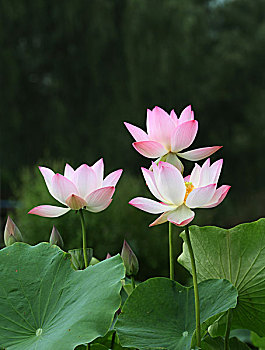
(189, 188)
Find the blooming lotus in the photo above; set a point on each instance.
(178, 195)
(167, 135)
(83, 188)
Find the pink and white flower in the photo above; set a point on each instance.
(167, 135)
(83, 188)
(177, 195)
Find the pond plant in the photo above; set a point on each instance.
(52, 299)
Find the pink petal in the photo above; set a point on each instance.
(150, 149)
(186, 115)
(85, 179)
(161, 219)
(160, 126)
(205, 178)
(48, 175)
(112, 178)
(195, 175)
(68, 171)
(150, 181)
(48, 211)
(99, 199)
(181, 216)
(137, 133)
(75, 202)
(149, 205)
(62, 188)
(218, 197)
(184, 135)
(199, 153)
(170, 183)
(215, 171)
(98, 168)
(174, 117)
(200, 196)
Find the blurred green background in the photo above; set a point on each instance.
(73, 71)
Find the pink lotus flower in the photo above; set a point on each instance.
(178, 195)
(83, 188)
(167, 135)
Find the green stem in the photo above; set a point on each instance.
(132, 282)
(227, 330)
(171, 252)
(113, 340)
(195, 284)
(84, 236)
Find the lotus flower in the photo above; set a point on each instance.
(83, 188)
(167, 135)
(178, 195)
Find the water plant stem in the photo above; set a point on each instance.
(132, 282)
(113, 340)
(227, 330)
(171, 252)
(84, 237)
(195, 285)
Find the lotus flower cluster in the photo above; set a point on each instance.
(167, 135)
(83, 188)
(178, 195)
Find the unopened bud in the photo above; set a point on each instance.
(11, 233)
(56, 238)
(108, 256)
(130, 260)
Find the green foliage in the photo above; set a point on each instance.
(218, 344)
(77, 258)
(144, 324)
(258, 341)
(237, 255)
(110, 341)
(45, 304)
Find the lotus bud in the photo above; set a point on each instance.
(56, 238)
(130, 260)
(108, 256)
(11, 233)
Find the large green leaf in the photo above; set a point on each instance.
(237, 255)
(218, 344)
(160, 313)
(46, 305)
(258, 341)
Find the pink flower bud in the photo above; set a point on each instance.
(56, 238)
(11, 233)
(130, 260)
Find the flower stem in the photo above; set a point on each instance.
(132, 282)
(195, 284)
(113, 340)
(84, 237)
(171, 254)
(227, 330)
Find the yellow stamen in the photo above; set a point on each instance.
(189, 188)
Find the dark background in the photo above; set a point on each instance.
(72, 71)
